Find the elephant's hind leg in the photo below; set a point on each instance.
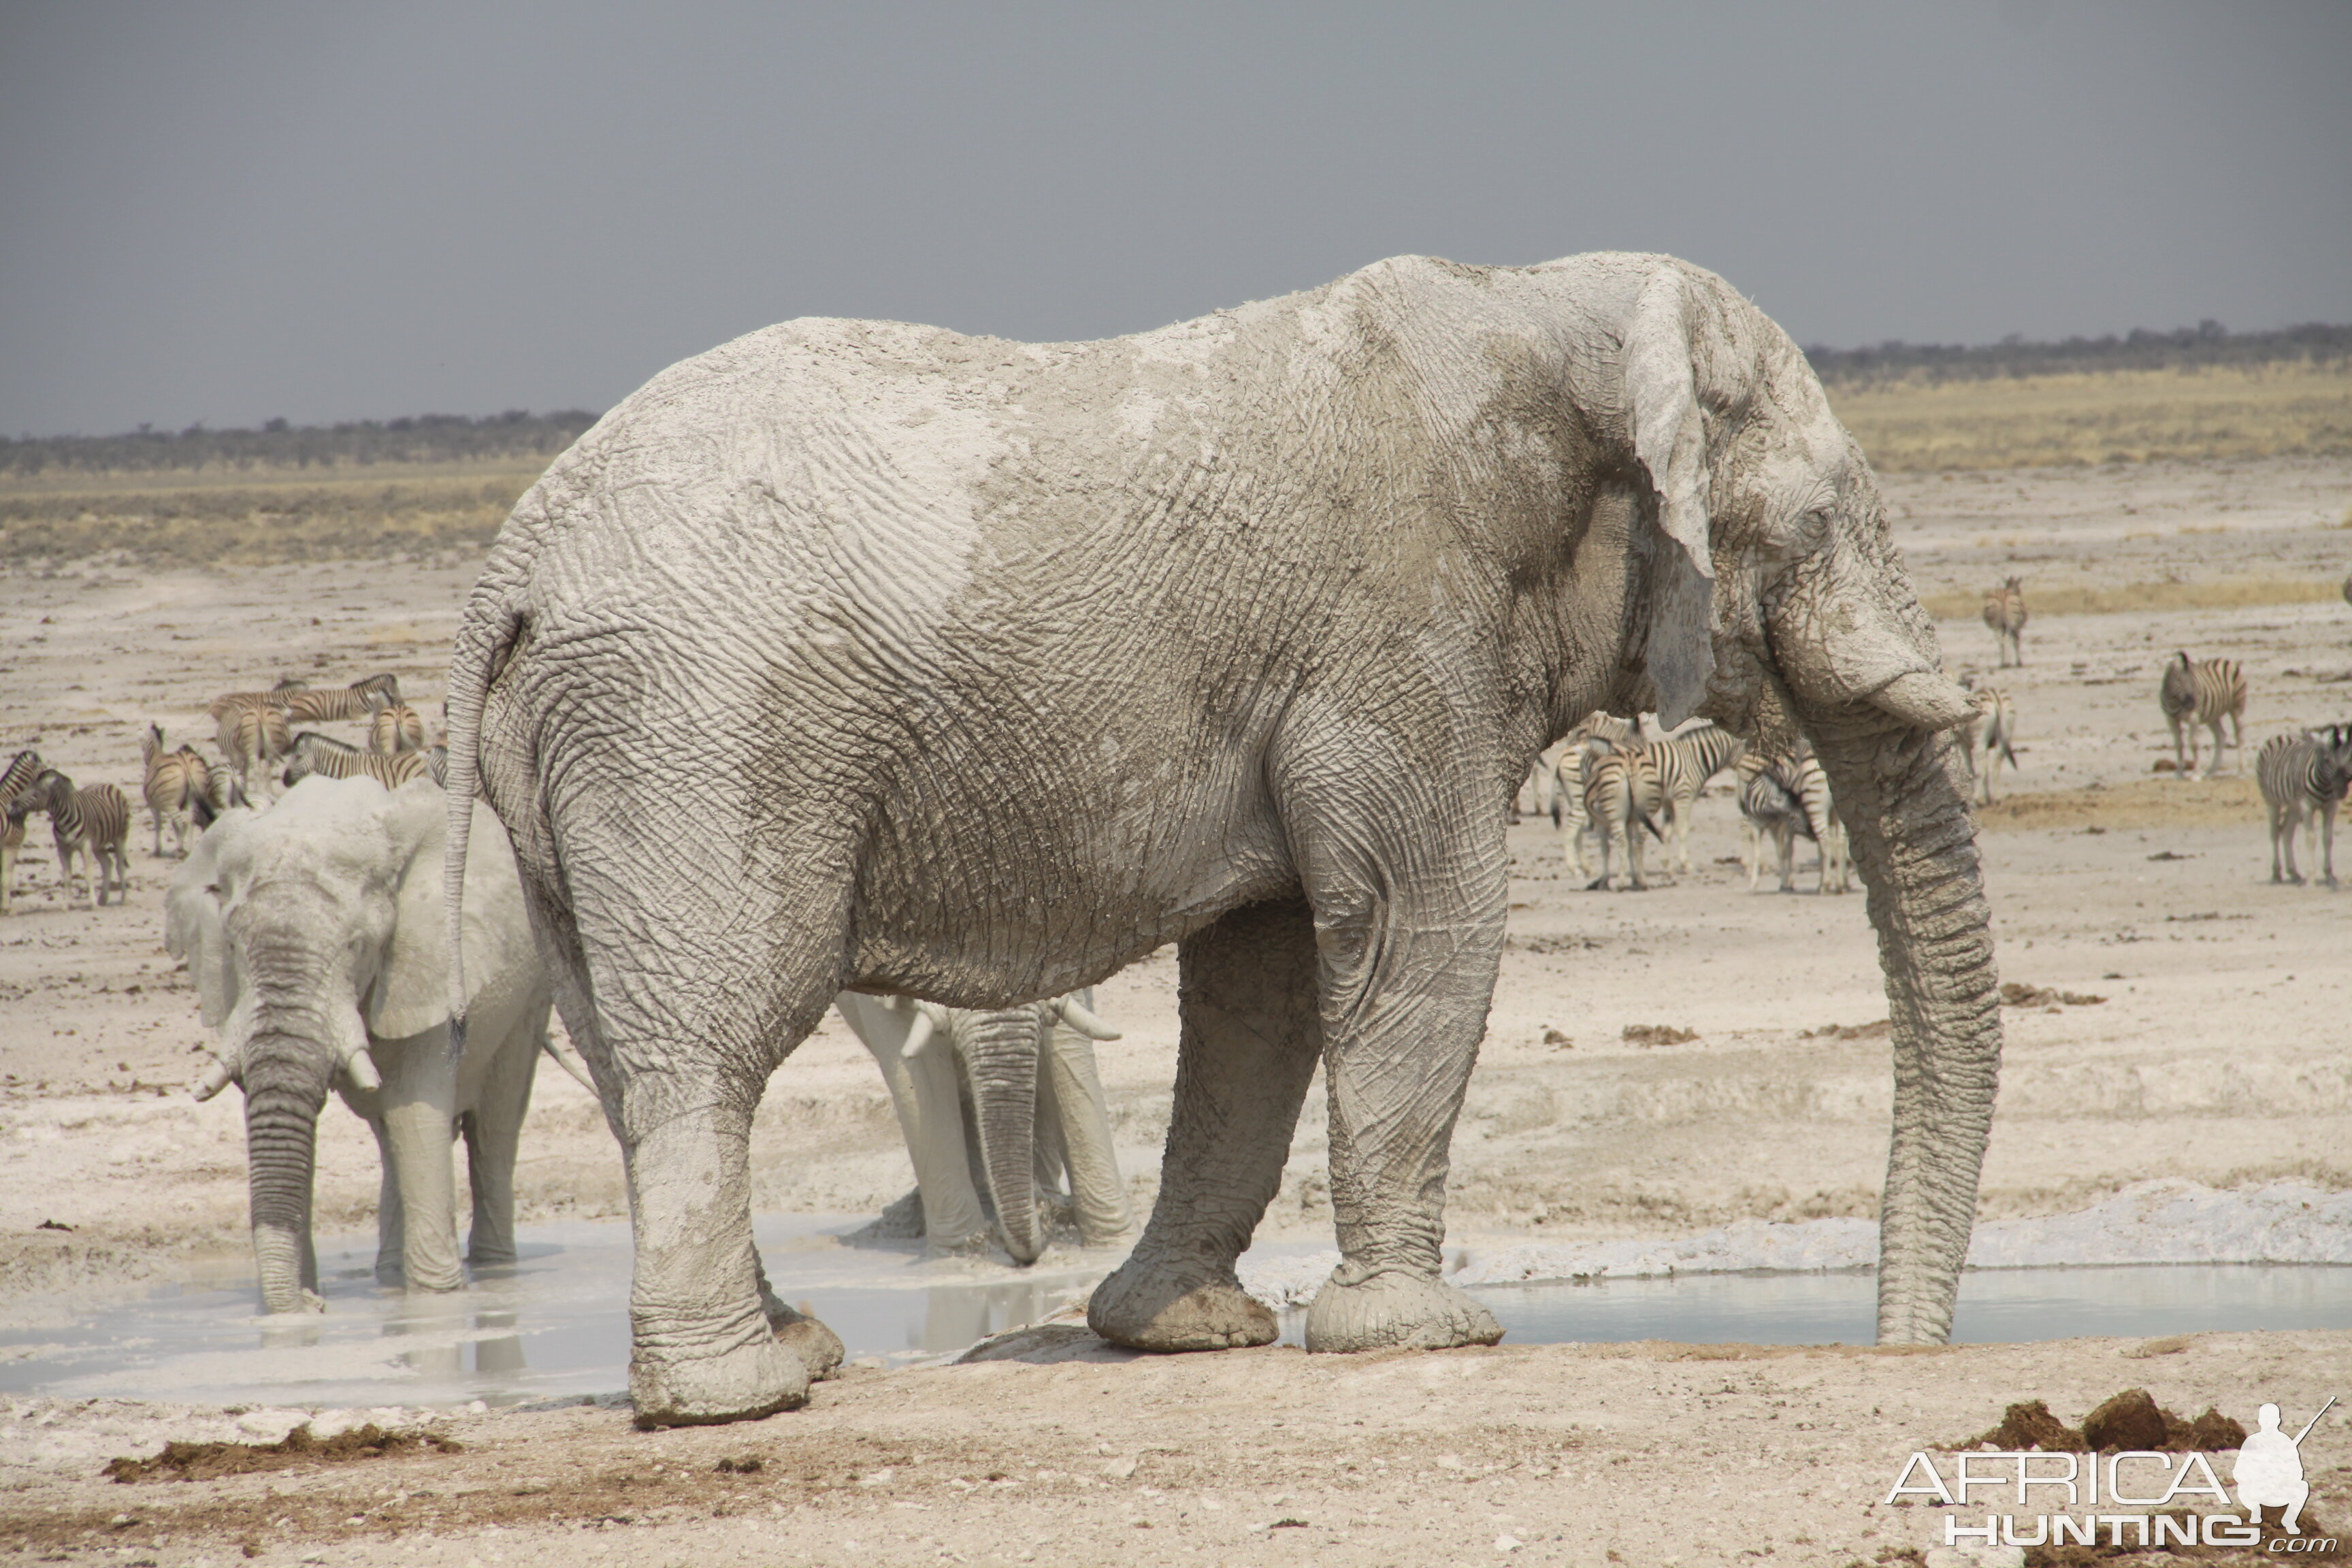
(1250, 1039)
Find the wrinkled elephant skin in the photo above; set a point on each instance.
(1299, 590)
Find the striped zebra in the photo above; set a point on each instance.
(13, 813)
(1988, 737)
(317, 753)
(1783, 799)
(93, 823)
(437, 758)
(170, 787)
(1684, 763)
(394, 727)
(2201, 694)
(1568, 805)
(253, 734)
(360, 699)
(1620, 796)
(2004, 613)
(278, 696)
(2303, 779)
(16, 805)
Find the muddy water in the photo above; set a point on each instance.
(556, 1326)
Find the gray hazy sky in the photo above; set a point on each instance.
(233, 210)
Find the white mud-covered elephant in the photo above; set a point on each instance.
(756, 677)
(314, 934)
(1037, 1115)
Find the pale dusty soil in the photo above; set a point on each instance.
(2218, 1054)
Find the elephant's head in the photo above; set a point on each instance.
(1777, 601)
(307, 929)
(1002, 1053)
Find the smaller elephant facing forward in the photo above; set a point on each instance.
(1037, 1110)
(313, 933)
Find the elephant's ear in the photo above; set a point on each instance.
(193, 930)
(412, 983)
(1670, 438)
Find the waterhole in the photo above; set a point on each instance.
(555, 1324)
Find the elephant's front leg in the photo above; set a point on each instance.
(418, 1103)
(1408, 976)
(1250, 1035)
(388, 1214)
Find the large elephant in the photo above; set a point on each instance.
(755, 674)
(313, 932)
(1037, 1105)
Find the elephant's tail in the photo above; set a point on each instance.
(485, 635)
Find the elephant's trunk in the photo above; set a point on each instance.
(1000, 1056)
(1903, 799)
(281, 1126)
(1861, 663)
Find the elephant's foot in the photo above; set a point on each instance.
(1156, 1305)
(818, 1347)
(747, 1380)
(1358, 1310)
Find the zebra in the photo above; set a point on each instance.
(92, 822)
(168, 786)
(2203, 693)
(18, 776)
(437, 758)
(1988, 737)
(1621, 795)
(357, 701)
(278, 696)
(394, 727)
(2004, 613)
(13, 812)
(1568, 804)
(1783, 799)
(315, 753)
(1683, 763)
(2303, 779)
(251, 733)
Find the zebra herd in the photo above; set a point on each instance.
(1606, 781)
(258, 744)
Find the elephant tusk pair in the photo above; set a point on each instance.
(1077, 1017)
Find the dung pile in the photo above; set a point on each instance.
(210, 1461)
(2128, 1422)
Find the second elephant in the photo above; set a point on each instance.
(1036, 1104)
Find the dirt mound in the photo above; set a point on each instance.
(210, 1461)
(2129, 1421)
(1658, 1034)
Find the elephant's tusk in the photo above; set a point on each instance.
(215, 1077)
(1074, 1015)
(918, 1037)
(568, 1058)
(361, 1068)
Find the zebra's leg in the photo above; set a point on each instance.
(2327, 818)
(155, 821)
(2276, 815)
(1633, 856)
(1785, 834)
(2294, 827)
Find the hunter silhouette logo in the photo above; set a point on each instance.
(2267, 1472)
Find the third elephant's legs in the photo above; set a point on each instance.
(1250, 1037)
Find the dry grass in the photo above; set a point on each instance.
(2226, 593)
(2121, 417)
(2160, 802)
(258, 517)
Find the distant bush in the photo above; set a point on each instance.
(424, 438)
(2205, 345)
